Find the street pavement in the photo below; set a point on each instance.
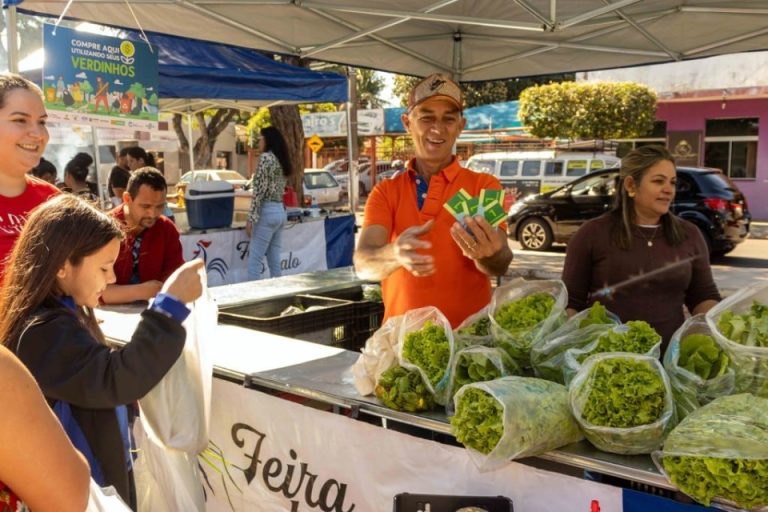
(730, 273)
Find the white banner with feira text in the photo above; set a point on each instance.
(282, 456)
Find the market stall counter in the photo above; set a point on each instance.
(294, 457)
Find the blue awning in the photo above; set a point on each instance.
(227, 76)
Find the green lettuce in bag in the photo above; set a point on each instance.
(426, 344)
(523, 312)
(740, 325)
(698, 367)
(622, 402)
(583, 328)
(721, 451)
(510, 418)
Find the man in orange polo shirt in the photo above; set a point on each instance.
(413, 245)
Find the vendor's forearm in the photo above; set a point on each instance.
(703, 307)
(496, 265)
(375, 264)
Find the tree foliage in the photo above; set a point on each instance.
(210, 123)
(603, 110)
(483, 93)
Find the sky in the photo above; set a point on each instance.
(386, 95)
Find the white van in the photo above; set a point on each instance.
(530, 172)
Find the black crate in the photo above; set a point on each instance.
(369, 313)
(332, 325)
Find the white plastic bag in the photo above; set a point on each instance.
(167, 480)
(748, 354)
(478, 364)
(517, 342)
(432, 361)
(621, 383)
(176, 412)
(378, 356)
(105, 499)
(690, 390)
(173, 426)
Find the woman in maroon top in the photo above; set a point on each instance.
(640, 260)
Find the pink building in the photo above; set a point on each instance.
(729, 132)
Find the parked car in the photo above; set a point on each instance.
(320, 187)
(233, 177)
(705, 197)
(364, 176)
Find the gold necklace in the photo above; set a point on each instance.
(648, 240)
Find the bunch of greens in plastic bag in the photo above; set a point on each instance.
(622, 402)
(740, 325)
(523, 312)
(402, 389)
(635, 337)
(478, 364)
(721, 451)
(474, 330)
(697, 367)
(512, 417)
(426, 344)
(583, 328)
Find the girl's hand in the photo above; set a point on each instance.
(185, 283)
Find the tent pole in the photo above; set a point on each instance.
(352, 186)
(105, 200)
(191, 145)
(13, 49)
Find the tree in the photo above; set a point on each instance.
(210, 124)
(604, 110)
(483, 93)
(369, 86)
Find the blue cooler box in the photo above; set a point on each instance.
(210, 204)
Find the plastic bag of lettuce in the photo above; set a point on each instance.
(478, 364)
(622, 402)
(474, 330)
(636, 337)
(583, 328)
(697, 366)
(523, 312)
(721, 451)
(426, 344)
(510, 418)
(740, 324)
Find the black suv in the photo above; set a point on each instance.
(705, 197)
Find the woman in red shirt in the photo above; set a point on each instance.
(23, 137)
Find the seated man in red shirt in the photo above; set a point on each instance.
(151, 250)
(409, 241)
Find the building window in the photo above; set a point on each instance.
(658, 136)
(731, 145)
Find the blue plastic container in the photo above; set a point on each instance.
(210, 204)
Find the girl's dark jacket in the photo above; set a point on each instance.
(69, 364)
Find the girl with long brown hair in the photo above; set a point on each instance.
(59, 268)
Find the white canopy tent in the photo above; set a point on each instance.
(469, 39)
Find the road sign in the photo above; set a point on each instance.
(315, 143)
